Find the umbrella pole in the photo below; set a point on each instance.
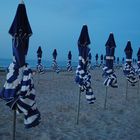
(138, 87)
(105, 98)
(78, 107)
(126, 93)
(38, 77)
(14, 125)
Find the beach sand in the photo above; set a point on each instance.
(57, 99)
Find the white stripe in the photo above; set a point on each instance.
(109, 71)
(128, 60)
(89, 96)
(30, 92)
(24, 88)
(22, 109)
(27, 101)
(83, 60)
(30, 119)
(12, 85)
(110, 57)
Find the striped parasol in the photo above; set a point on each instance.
(96, 58)
(54, 64)
(129, 70)
(138, 63)
(83, 76)
(69, 67)
(40, 67)
(108, 71)
(102, 58)
(18, 90)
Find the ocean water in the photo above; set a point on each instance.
(4, 63)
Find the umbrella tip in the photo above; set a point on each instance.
(22, 2)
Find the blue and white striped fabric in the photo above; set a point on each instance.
(83, 78)
(130, 73)
(138, 63)
(55, 66)
(108, 70)
(40, 67)
(138, 69)
(69, 67)
(128, 69)
(101, 58)
(111, 78)
(19, 94)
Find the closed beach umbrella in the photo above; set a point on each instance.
(40, 67)
(83, 77)
(39, 54)
(18, 90)
(128, 69)
(108, 70)
(138, 62)
(118, 60)
(102, 57)
(69, 67)
(96, 58)
(54, 64)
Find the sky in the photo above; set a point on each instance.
(56, 24)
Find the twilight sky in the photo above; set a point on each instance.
(57, 24)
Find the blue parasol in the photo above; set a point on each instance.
(69, 67)
(96, 58)
(118, 60)
(18, 90)
(138, 63)
(108, 71)
(102, 58)
(83, 77)
(54, 64)
(40, 67)
(129, 70)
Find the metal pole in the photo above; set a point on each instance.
(105, 98)
(38, 77)
(78, 107)
(14, 125)
(138, 87)
(126, 89)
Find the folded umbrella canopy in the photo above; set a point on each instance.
(18, 90)
(54, 64)
(118, 60)
(102, 58)
(138, 62)
(69, 67)
(129, 70)
(40, 67)
(108, 71)
(83, 77)
(96, 58)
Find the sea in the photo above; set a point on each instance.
(4, 63)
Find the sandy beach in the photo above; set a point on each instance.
(57, 99)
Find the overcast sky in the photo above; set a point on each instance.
(57, 24)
